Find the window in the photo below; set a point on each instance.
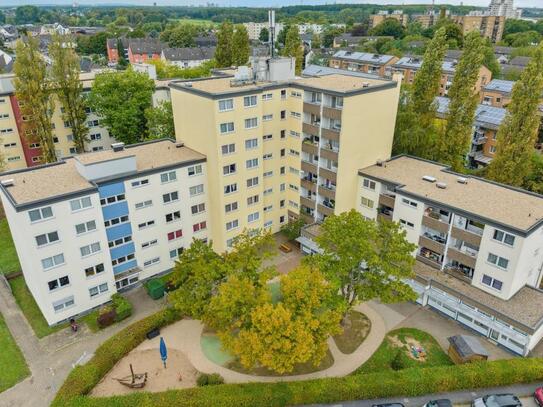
(94, 270)
(293, 170)
(199, 226)
(9, 144)
(116, 221)
(97, 290)
(231, 207)
(175, 253)
(196, 190)
(492, 149)
(231, 188)
(119, 242)
(150, 243)
(145, 225)
(366, 202)
(296, 115)
(172, 217)
(492, 282)
(63, 304)
(369, 184)
(251, 123)
(16, 158)
(282, 203)
(226, 104)
(293, 152)
(144, 204)
(503, 237)
(282, 187)
(252, 200)
(90, 249)
(267, 117)
(251, 143)
(252, 182)
(253, 217)
(195, 170)
(268, 156)
(292, 187)
(232, 224)
(283, 93)
(409, 202)
(267, 96)
(148, 263)
(293, 204)
(123, 259)
(267, 137)
(267, 174)
(252, 163)
(112, 199)
(296, 94)
(268, 191)
(496, 260)
(226, 127)
(34, 145)
(175, 235)
(170, 197)
(407, 224)
(282, 219)
(229, 169)
(294, 134)
(199, 208)
(283, 114)
(249, 101)
(95, 136)
(168, 177)
(85, 227)
(228, 149)
(93, 123)
(140, 183)
(40, 214)
(53, 261)
(268, 208)
(81, 203)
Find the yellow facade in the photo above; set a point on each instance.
(11, 149)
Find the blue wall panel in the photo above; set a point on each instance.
(111, 189)
(125, 266)
(115, 210)
(116, 232)
(123, 250)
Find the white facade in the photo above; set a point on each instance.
(253, 29)
(503, 8)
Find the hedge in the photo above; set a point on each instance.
(407, 382)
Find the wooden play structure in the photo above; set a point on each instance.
(134, 380)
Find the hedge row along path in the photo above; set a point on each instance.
(50, 359)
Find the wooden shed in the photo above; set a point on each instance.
(465, 349)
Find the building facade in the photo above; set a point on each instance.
(399, 15)
(118, 217)
(489, 26)
(363, 62)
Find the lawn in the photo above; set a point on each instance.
(398, 342)
(11, 358)
(356, 328)
(30, 309)
(9, 262)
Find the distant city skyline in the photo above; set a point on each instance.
(259, 3)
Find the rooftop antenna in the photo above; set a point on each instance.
(271, 37)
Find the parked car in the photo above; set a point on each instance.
(538, 396)
(388, 405)
(438, 403)
(497, 400)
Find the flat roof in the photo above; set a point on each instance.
(364, 57)
(485, 116)
(500, 85)
(415, 62)
(485, 200)
(525, 307)
(49, 181)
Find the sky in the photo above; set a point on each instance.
(261, 3)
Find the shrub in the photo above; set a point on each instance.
(398, 363)
(122, 306)
(205, 379)
(106, 316)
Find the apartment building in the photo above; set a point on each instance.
(254, 29)
(187, 57)
(408, 67)
(277, 146)
(376, 19)
(488, 26)
(18, 147)
(90, 225)
(363, 62)
(479, 257)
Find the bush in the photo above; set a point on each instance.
(398, 363)
(122, 306)
(106, 316)
(205, 379)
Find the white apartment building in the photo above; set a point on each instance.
(96, 223)
(253, 29)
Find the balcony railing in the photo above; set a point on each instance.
(329, 187)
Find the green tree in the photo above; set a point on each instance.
(293, 47)
(518, 132)
(264, 35)
(223, 52)
(293, 229)
(27, 15)
(198, 273)
(534, 180)
(182, 35)
(415, 131)
(121, 62)
(490, 60)
(68, 88)
(240, 46)
(455, 139)
(389, 27)
(160, 121)
(364, 259)
(121, 98)
(316, 41)
(33, 91)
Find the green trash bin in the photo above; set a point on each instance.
(155, 289)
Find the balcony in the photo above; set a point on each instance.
(308, 184)
(307, 202)
(435, 222)
(330, 134)
(460, 272)
(461, 257)
(309, 166)
(310, 128)
(308, 218)
(326, 173)
(387, 200)
(325, 210)
(468, 236)
(332, 113)
(327, 192)
(428, 258)
(328, 145)
(310, 147)
(431, 243)
(329, 155)
(312, 108)
(385, 213)
(478, 139)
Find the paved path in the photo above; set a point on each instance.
(185, 336)
(50, 359)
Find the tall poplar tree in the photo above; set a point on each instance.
(455, 139)
(415, 132)
(240, 46)
(223, 52)
(33, 90)
(518, 132)
(293, 47)
(68, 88)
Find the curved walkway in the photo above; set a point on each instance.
(185, 336)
